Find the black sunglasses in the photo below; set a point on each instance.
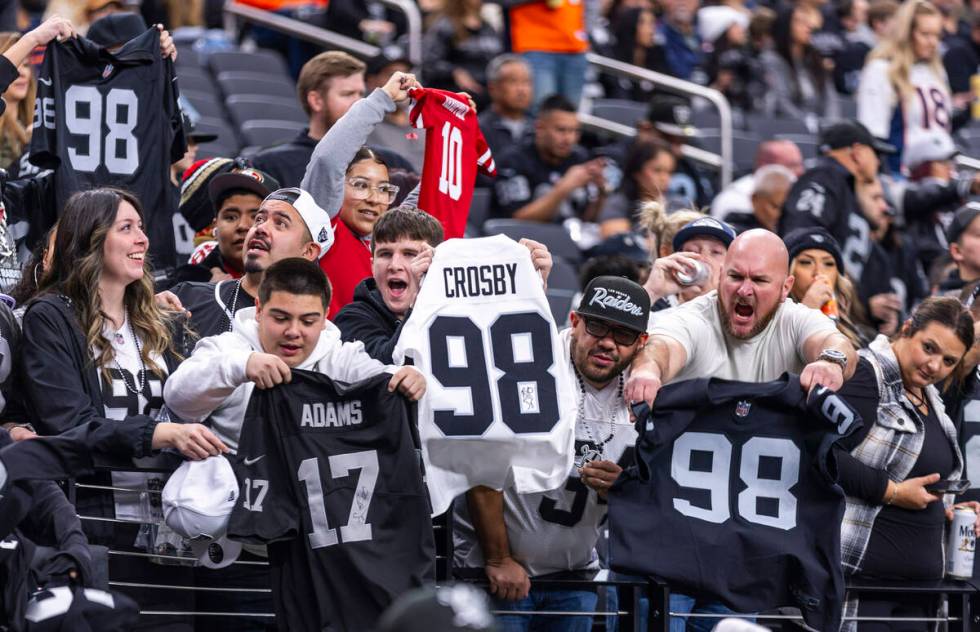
(599, 329)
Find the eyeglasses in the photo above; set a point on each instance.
(599, 329)
(361, 189)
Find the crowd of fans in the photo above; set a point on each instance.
(848, 252)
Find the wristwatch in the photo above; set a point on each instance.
(835, 356)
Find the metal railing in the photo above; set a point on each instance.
(723, 161)
(296, 28)
(235, 12)
(963, 613)
(413, 15)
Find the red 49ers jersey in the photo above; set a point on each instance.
(454, 145)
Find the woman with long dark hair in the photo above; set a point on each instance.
(649, 166)
(895, 521)
(635, 41)
(799, 81)
(96, 347)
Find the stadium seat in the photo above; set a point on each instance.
(227, 140)
(204, 104)
(806, 142)
(479, 209)
(194, 82)
(619, 110)
(247, 107)
(560, 302)
(772, 125)
(563, 276)
(268, 132)
(262, 61)
(250, 150)
(255, 83)
(187, 57)
(706, 118)
(848, 107)
(554, 236)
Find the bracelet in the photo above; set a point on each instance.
(894, 493)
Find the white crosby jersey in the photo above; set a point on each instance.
(927, 107)
(555, 531)
(500, 400)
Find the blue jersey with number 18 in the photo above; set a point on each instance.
(499, 408)
(734, 496)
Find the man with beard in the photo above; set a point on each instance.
(289, 223)
(746, 330)
(508, 537)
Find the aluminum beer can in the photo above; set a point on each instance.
(695, 277)
(961, 544)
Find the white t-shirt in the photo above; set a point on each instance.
(557, 530)
(499, 406)
(120, 402)
(778, 348)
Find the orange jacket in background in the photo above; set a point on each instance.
(536, 27)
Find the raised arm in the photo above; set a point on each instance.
(324, 178)
(824, 372)
(658, 363)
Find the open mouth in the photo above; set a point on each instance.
(290, 350)
(743, 312)
(397, 287)
(259, 245)
(368, 214)
(136, 256)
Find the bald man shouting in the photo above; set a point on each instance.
(744, 331)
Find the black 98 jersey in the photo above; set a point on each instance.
(104, 118)
(733, 496)
(330, 479)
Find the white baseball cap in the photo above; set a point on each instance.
(317, 220)
(929, 146)
(714, 21)
(199, 497)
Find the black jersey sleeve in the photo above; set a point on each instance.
(44, 137)
(171, 93)
(267, 509)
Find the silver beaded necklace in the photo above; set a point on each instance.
(234, 304)
(139, 354)
(610, 414)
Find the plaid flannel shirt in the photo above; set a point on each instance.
(893, 444)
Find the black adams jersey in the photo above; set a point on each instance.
(330, 479)
(732, 496)
(104, 118)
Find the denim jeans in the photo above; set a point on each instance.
(683, 603)
(557, 73)
(550, 600)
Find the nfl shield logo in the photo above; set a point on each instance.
(742, 408)
(107, 71)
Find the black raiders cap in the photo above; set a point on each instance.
(617, 300)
